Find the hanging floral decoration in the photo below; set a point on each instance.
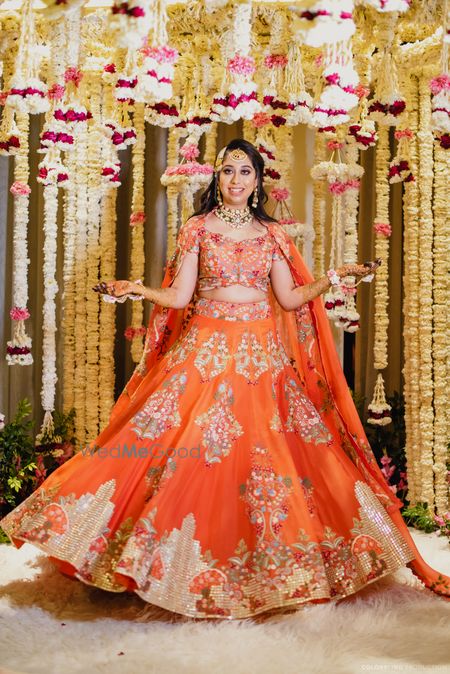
(379, 409)
(299, 99)
(56, 9)
(9, 134)
(399, 167)
(156, 74)
(27, 92)
(388, 5)
(440, 89)
(339, 94)
(324, 22)
(342, 178)
(363, 132)
(274, 102)
(130, 22)
(238, 98)
(18, 349)
(301, 232)
(387, 104)
(163, 114)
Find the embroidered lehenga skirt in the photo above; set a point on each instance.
(224, 494)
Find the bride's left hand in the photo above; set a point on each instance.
(116, 288)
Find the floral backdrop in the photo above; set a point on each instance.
(366, 74)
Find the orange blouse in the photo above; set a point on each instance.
(224, 261)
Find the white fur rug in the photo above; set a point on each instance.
(50, 624)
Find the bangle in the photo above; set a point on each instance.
(333, 277)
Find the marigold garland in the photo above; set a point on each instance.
(411, 285)
(440, 310)
(137, 256)
(379, 405)
(108, 245)
(95, 190)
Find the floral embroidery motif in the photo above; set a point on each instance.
(277, 354)
(308, 490)
(266, 494)
(303, 417)
(250, 357)
(213, 356)
(178, 353)
(160, 412)
(220, 427)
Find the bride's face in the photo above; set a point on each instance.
(237, 181)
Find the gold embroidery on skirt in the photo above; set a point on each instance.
(250, 358)
(213, 356)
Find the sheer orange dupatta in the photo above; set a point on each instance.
(309, 343)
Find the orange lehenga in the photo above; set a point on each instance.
(234, 476)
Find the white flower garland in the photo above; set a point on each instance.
(18, 349)
(426, 412)
(49, 374)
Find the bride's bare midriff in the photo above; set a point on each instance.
(234, 293)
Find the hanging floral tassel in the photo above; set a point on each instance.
(238, 99)
(379, 408)
(300, 101)
(9, 134)
(399, 167)
(387, 104)
(363, 133)
(27, 92)
(339, 94)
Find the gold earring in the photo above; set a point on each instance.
(255, 198)
(218, 195)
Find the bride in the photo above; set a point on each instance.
(234, 476)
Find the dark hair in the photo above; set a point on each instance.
(208, 200)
